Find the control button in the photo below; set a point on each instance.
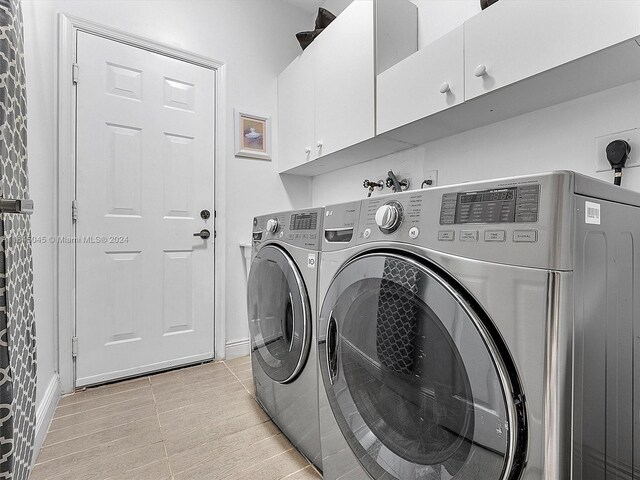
(281, 234)
(272, 225)
(527, 217)
(446, 235)
(525, 235)
(468, 235)
(366, 233)
(495, 236)
(313, 236)
(414, 232)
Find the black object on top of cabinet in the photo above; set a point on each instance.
(324, 18)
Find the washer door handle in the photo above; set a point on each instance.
(332, 349)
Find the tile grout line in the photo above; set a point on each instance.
(164, 445)
(257, 464)
(240, 381)
(80, 435)
(310, 467)
(96, 408)
(95, 389)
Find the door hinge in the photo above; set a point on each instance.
(75, 69)
(74, 210)
(74, 346)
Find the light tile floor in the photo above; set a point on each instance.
(196, 423)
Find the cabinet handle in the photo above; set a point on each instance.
(445, 87)
(307, 150)
(480, 71)
(319, 144)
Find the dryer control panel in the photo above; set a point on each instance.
(302, 228)
(499, 205)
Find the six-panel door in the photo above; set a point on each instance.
(145, 144)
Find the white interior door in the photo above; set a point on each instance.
(145, 150)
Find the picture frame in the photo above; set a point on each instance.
(252, 135)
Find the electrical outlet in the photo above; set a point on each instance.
(631, 136)
(429, 175)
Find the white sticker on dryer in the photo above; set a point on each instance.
(311, 260)
(592, 213)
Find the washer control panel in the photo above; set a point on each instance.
(300, 228)
(515, 220)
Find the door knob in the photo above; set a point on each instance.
(203, 234)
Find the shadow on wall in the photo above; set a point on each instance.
(298, 190)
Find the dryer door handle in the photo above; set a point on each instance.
(332, 349)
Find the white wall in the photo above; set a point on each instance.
(256, 40)
(558, 137)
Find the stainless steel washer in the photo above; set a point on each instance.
(282, 308)
(482, 331)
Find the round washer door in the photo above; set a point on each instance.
(279, 314)
(414, 380)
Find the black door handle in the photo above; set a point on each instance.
(203, 234)
(332, 349)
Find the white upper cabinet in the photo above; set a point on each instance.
(516, 39)
(345, 80)
(326, 97)
(296, 112)
(512, 58)
(430, 80)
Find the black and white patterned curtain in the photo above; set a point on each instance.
(17, 328)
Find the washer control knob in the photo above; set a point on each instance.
(414, 232)
(272, 225)
(388, 217)
(366, 233)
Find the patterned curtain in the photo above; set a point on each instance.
(17, 328)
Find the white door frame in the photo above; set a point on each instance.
(65, 181)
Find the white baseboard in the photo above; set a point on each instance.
(44, 413)
(237, 348)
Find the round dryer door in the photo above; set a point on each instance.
(279, 314)
(412, 375)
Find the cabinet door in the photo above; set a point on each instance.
(430, 80)
(516, 39)
(345, 78)
(296, 113)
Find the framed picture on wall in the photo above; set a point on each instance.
(253, 136)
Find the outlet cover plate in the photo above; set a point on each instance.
(429, 175)
(631, 136)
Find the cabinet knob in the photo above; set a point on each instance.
(307, 150)
(445, 87)
(480, 71)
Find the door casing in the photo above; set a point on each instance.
(64, 264)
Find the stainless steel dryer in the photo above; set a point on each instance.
(282, 307)
(482, 331)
